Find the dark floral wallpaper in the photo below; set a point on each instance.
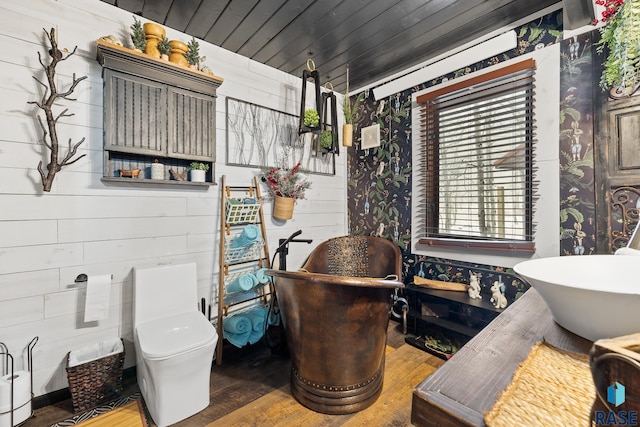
(577, 198)
(379, 179)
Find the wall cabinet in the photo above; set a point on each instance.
(156, 112)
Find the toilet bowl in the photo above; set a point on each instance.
(174, 343)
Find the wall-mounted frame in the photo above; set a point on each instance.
(370, 136)
(258, 136)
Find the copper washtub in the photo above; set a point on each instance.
(336, 325)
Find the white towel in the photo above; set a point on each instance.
(96, 306)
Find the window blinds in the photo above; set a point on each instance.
(477, 157)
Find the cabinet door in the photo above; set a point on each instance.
(192, 125)
(617, 167)
(135, 114)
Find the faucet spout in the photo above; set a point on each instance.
(283, 248)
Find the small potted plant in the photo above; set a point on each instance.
(193, 53)
(285, 186)
(311, 118)
(326, 140)
(198, 171)
(137, 36)
(164, 46)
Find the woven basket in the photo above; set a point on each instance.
(283, 207)
(95, 382)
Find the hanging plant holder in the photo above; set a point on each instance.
(310, 121)
(347, 127)
(330, 119)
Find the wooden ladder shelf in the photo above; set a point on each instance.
(237, 210)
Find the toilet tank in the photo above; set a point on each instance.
(164, 291)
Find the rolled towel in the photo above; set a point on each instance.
(250, 234)
(249, 201)
(243, 282)
(261, 277)
(237, 330)
(257, 317)
(234, 201)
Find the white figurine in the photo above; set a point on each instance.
(497, 297)
(474, 286)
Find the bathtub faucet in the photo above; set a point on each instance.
(283, 248)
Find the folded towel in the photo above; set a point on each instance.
(243, 282)
(250, 234)
(237, 330)
(257, 317)
(261, 277)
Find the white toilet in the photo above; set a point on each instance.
(174, 342)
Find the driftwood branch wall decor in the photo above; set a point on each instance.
(49, 97)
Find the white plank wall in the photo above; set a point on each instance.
(85, 226)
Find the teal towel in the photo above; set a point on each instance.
(250, 234)
(261, 277)
(256, 317)
(243, 282)
(237, 330)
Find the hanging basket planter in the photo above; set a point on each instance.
(347, 135)
(283, 207)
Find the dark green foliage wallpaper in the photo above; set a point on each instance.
(577, 85)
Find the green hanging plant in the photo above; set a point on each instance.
(621, 37)
(311, 118)
(326, 139)
(346, 108)
(137, 35)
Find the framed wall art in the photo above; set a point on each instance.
(370, 136)
(259, 136)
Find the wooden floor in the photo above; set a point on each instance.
(251, 388)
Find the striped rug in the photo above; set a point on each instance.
(127, 411)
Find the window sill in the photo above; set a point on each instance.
(492, 245)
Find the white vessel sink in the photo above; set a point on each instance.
(593, 296)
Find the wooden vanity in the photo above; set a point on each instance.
(466, 387)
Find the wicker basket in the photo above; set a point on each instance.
(243, 212)
(95, 382)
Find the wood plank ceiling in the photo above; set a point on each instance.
(374, 38)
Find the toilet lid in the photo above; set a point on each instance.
(172, 335)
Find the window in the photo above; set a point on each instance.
(477, 183)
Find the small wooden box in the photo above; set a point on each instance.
(616, 360)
